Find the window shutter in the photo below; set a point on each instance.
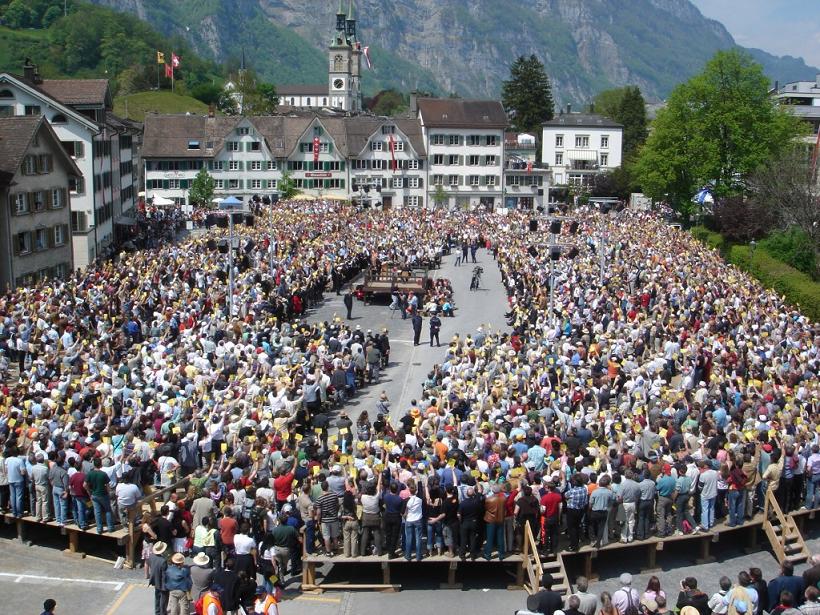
(49, 200)
(461, 159)
(329, 147)
(52, 237)
(79, 149)
(165, 184)
(326, 165)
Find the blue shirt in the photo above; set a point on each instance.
(536, 456)
(178, 577)
(15, 467)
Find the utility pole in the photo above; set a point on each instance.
(230, 265)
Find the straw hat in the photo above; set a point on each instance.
(201, 560)
(178, 559)
(159, 548)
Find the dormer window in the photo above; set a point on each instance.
(192, 144)
(59, 118)
(6, 94)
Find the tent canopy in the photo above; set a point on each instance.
(162, 201)
(230, 203)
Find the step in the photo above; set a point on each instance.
(798, 558)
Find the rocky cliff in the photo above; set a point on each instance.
(464, 46)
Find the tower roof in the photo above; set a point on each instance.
(350, 10)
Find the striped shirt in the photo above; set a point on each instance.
(328, 504)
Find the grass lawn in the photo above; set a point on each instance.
(135, 106)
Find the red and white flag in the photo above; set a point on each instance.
(174, 60)
(529, 166)
(316, 144)
(367, 57)
(392, 143)
(169, 71)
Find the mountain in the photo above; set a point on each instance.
(464, 46)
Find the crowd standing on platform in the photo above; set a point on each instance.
(657, 398)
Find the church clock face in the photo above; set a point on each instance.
(338, 84)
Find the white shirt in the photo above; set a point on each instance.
(414, 506)
(243, 544)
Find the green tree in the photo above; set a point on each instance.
(286, 186)
(608, 102)
(226, 103)
(19, 15)
(202, 189)
(528, 95)
(717, 128)
(440, 195)
(631, 113)
(207, 93)
(52, 14)
(388, 102)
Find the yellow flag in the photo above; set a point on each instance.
(160, 57)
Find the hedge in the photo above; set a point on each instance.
(798, 288)
(714, 240)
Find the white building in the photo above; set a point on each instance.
(303, 96)
(578, 146)
(802, 98)
(79, 111)
(372, 160)
(526, 181)
(464, 140)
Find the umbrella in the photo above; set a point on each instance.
(218, 199)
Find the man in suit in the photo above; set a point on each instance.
(435, 327)
(348, 299)
(416, 320)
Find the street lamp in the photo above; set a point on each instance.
(752, 246)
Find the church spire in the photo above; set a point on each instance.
(350, 10)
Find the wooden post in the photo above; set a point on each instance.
(386, 573)
(751, 540)
(705, 558)
(73, 541)
(451, 577)
(651, 557)
(21, 535)
(588, 565)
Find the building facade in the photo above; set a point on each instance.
(79, 111)
(802, 98)
(526, 181)
(35, 220)
(579, 146)
(464, 140)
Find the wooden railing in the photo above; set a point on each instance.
(147, 502)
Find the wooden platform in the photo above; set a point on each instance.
(70, 530)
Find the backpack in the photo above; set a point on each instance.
(631, 609)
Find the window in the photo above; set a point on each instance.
(604, 160)
(437, 139)
(324, 101)
(233, 184)
(292, 101)
(474, 180)
(473, 139)
(219, 184)
(22, 242)
(60, 232)
(388, 129)
(217, 165)
(455, 140)
(491, 180)
(411, 201)
(438, 180)
(559, 158)
(32, 110)
(491, 140)
(473, 160)
(254, 146)
(489, 161)
(6, 111)
(173, 184)
(513, 180)
(6, 94)
(39, 200)
(379, 164)
(60, 271)
(413, 165)
(376, 146)
(604, 141)
(272, 184)
(44, 162)
(29, 165)
(582, 141)
(59, 118)
(438, 158)
(76, 185)
(398, 146)
(193, 144)
(79, 222)
(57, 199)
(233, 165)
(559, 140)
(453, 159)
(271, 165)
(243, 130)
(453, 180)
(307, 101)
(21, 204)
(398, 182)
(233, 146)
(256, 184)
(255, 165)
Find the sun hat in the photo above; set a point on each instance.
(178, 559)
(200, 559)
(159, 548)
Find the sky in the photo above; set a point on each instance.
(781, 27)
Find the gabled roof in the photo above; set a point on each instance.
(16, 135)
(35, 90)
(167, 136)
(77, 91)
(586, 120)
(302, 90)
(461, 113)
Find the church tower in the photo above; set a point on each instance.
(345, 59)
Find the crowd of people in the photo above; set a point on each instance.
(748, 594)
(656, 398)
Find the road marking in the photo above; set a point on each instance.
(120, 599)
(314, 599)
(116, 586)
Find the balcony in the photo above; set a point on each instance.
(521, 165)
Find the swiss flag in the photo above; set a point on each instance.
(174, 60)
(169, 71)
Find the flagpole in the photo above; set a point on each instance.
(172, 72)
